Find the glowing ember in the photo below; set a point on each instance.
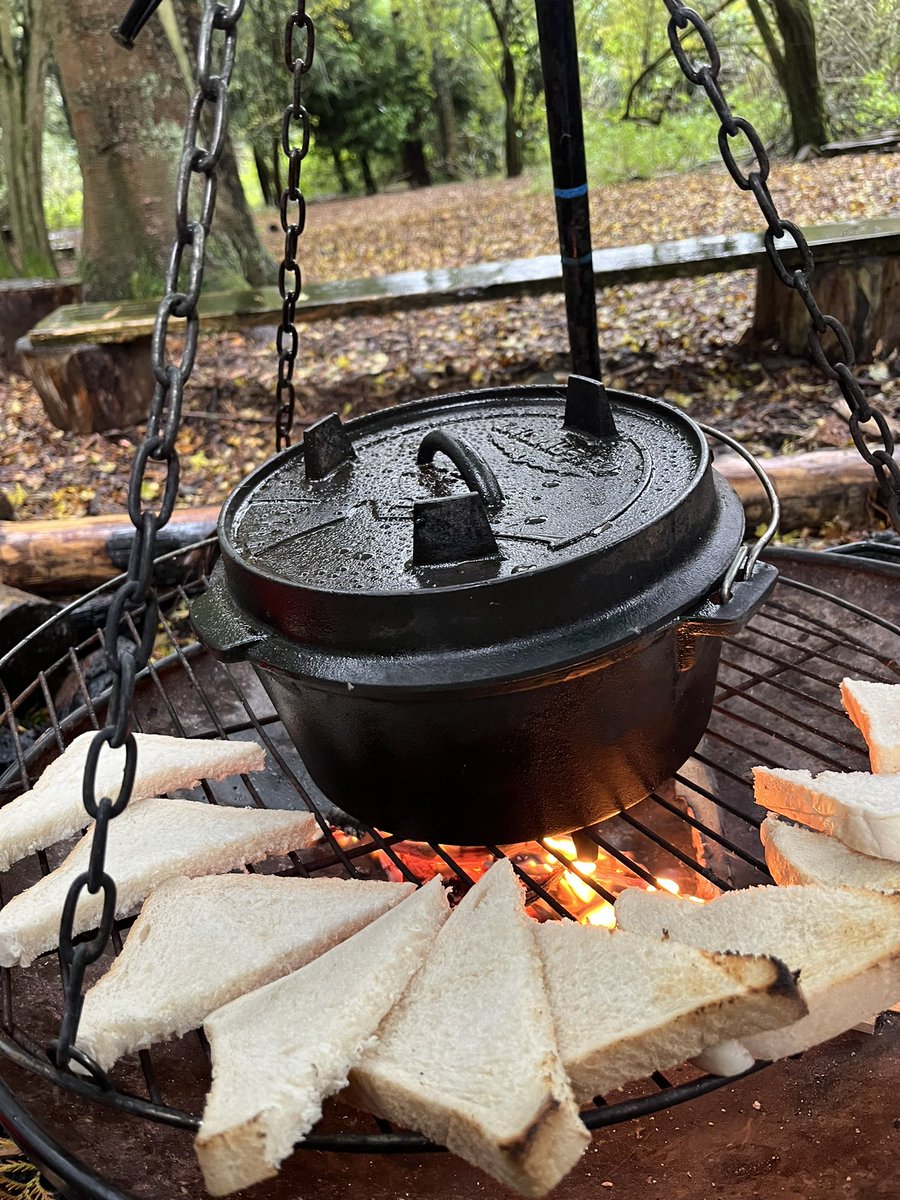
(554, 875)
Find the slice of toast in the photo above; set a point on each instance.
(795, 854)
(628, 1004)
(469, 1055)
(53, 809)
(278, 1052)
(860, 810)
(199, 943)
(874, 708)
(844, 942)
(153, 841)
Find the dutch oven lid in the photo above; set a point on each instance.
(471, 519)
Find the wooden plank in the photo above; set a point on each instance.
(125, 320)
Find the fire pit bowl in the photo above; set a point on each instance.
(490, 616)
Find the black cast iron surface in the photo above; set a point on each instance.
(776, 703)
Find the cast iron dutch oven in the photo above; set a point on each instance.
(491, 616)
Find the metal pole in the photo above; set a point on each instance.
(562, 95)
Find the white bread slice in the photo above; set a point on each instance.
(795, 854)
(844, 942)
(149, 843)
(53, 809)
(278, 1052)
(469, 1055)
(199, 943)
(861, 810)
(874, 708)
(626, 1004)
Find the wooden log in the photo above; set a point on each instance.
(24, 302)
(20, 615)
(86, 388)
(73, 555)
(814, 489)
(863, 295)
(68, 556)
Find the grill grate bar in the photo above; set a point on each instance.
(707, 832)
(569, 864)
(777, 733)
(796, 667)
(532, 885)
(621, 857)
(711, 796)
(708, 875)
(847, 638)
(797, 695)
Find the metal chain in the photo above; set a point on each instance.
(706, 75)
(293, 217)
(193, 218)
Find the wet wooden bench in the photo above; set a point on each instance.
(90, 365)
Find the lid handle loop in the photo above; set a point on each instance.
(474, 470)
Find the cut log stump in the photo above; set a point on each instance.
(24, 302)
(863, 295)
(87, 388)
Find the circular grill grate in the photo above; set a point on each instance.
(777, 703)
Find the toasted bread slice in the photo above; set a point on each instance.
(281, 1050)
(54, 810)
(874, 708)
(628, 1004)
(469, 1055)
(154, 841)
(200, 943)
(795, 854)
(860, 810)
(844, 942)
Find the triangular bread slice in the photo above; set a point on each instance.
(54, 810)
(874, 708)
(149, 843)
(795, 854)
(199, 943)
(861, 810)
(628, 1004)
(469, 1055)
(278, 1052)
(844, 942)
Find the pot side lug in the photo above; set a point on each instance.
(725, 620)
(587, 408)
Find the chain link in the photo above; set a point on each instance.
(295, 133)
(218, 35)
(706, 75)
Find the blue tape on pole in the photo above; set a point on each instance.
(571, 193)
(578, 262)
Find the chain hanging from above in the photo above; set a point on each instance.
(293, 219)
(706, 75)
(125, 658)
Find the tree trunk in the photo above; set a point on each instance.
(341, 171)
(264, 175)
(512, 129)
(368, 178)
(512, 136)
(803, 88)
(796, 68)
(23, 71)
(446, 114)
(128, 113)
(415, 168)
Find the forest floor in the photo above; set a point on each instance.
(679, 340)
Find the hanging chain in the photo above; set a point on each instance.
(293, 218)
(125, 658)
(706, 75)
